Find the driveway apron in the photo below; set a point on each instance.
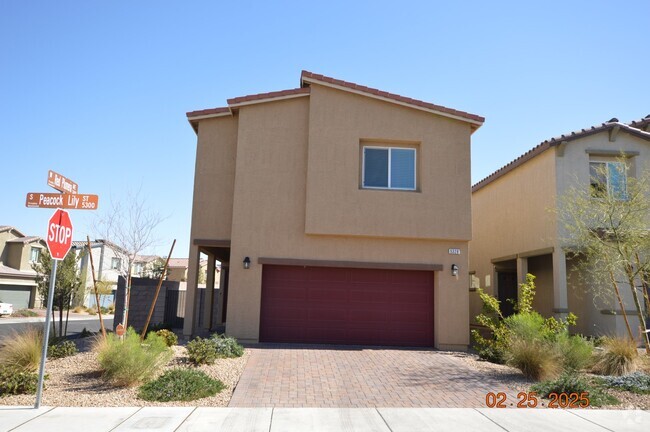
(281, 375)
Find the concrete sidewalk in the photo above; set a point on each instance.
(318, 419)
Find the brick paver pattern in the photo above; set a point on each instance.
(326, 376)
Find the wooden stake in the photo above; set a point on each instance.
(155, 298)
(92, 270)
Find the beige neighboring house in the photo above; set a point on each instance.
(515, 231)
(339, 214)
(17, 278)
(108, 266)
(177, 270)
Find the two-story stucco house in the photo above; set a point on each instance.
(17, 278)
(515, 231)
(340, 214)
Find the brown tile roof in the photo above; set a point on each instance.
(4, 228)
(209, 111)
(553, 142)
(310, 76)
(643, 124)
(178, 262)
(10, 271)
(269, 95)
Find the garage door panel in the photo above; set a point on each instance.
(346, 306)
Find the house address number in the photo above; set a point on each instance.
(454, 251)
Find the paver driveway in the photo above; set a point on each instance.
(325, 376)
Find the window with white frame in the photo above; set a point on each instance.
(34, 254)
(608, 177)
(137, 268)
(389, 168)
(115, 263)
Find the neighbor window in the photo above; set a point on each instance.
(608, 178)
(35, 254)
(389, 168)
(115, 263)
(137, 268)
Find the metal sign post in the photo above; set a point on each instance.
(46, 336)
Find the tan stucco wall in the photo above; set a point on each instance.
(214, 178)
(269, 214)
(510, 216)
(336, 204)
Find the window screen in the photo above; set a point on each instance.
(389, 168)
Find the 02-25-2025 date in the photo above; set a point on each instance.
(531, 400)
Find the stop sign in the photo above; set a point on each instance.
(59, 234)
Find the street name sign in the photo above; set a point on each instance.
(61, 183)
(64, 201)
(59, 234)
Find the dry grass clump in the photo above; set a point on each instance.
(23, 350)
(619, 356)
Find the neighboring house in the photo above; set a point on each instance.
(339, 213)
(515, 230)
(108, 266)
(17, 278)
(177, 270)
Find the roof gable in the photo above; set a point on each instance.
(554, 142)
(307, 78)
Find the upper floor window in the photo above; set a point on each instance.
(115, 263)
(389, 168)
(35, 254)
(137, 268)
(608, 178)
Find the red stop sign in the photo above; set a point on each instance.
(59, 234)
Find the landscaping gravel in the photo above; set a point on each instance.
(75, 382)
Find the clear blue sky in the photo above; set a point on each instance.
(98, 90)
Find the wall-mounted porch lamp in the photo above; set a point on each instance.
(454, 270)
(247, 263)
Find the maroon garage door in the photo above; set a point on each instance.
(346, 306)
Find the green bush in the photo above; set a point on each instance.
(636, 382)
(202, 351)
(130, 362)
(227, 347)
(618, 356)
(61, 349)
(570, 382)
(23, 350)
(536, 358)
(180, 385)
(14, 380)
(576, 351)
(169, 336)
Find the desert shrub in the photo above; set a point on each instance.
(79, 309)
(130, 362)
(202, 351)
(617, 356)
(180, 385)
(570, 382)
(492, 348)
(168, 336)
(227, 346)
(111, 308)
(61, 349)
(637, 382)
(24, 313)
(14, 380)
(537, 359)
(92, 311)
(576, 351)
(23, 350)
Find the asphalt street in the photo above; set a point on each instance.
(75, 324)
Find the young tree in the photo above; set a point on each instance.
(66, 285)
(128, 228)
(608, 224)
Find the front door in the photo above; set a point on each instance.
(507, 286)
